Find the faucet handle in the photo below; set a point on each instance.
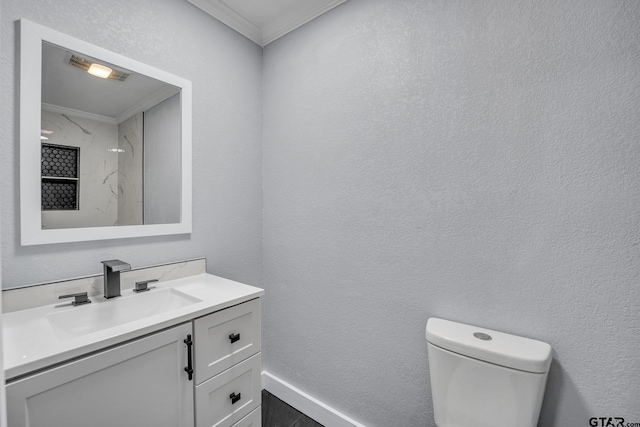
(79, 298)
(144, 285)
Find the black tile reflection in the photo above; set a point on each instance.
(276, 413)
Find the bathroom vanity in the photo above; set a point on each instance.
(185, 353)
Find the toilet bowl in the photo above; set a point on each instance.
(485, 378)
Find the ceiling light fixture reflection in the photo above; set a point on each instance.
(99, 71)
(115, 150)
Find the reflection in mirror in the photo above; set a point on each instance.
(113, 158)
(110, 131)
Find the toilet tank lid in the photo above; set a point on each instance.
(501, 349)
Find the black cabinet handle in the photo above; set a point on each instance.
(234, 397)
(189, 368)
(234, 337)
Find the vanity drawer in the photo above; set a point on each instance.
(225, 338)
(216, 404)
(254, 419)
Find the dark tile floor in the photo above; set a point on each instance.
(276, 413)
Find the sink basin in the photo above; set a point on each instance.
(104, 314)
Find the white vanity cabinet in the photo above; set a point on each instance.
(146, 381)
(227, 367)
(140, 383)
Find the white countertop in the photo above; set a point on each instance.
(32, 343)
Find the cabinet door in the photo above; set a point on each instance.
(141, 383)
(225, 338)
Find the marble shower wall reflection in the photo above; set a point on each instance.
(110, 179)
(98, 180)
(130, 167)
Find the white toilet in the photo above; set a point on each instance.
(484, 378)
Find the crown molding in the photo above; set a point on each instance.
(294, 19)
(303, 13)
(231, 18)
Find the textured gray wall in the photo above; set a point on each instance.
(225, 69)
(3, 400)
(471, 160)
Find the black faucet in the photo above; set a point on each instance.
(112, 269)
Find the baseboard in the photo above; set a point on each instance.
(308, 405)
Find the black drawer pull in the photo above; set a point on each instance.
(234, 337)
(234, 397)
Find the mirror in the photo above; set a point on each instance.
(101, 156)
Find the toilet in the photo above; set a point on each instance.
(485, 378)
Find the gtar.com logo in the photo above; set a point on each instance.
(606, 422)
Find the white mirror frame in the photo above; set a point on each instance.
(31, 38)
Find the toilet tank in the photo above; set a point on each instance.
(485, 378)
